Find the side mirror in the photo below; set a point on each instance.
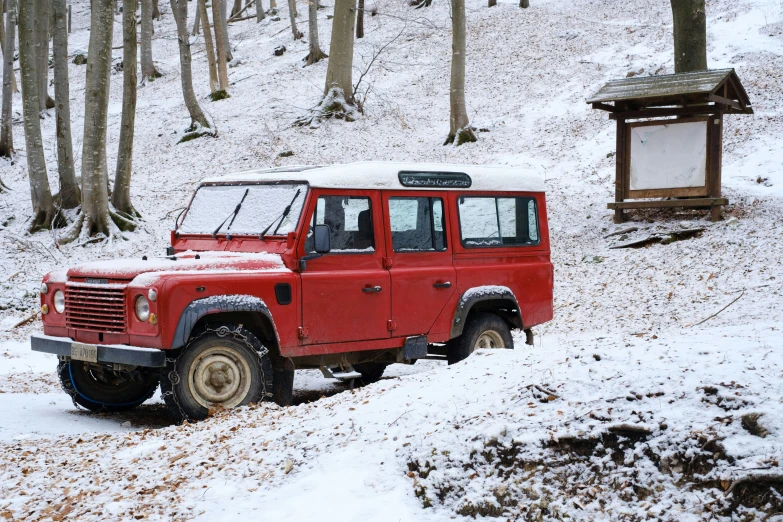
(323, 240)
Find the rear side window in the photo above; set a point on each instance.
(498, 221)
(350, 221)
(417, 224)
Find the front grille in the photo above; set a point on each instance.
(99, 308)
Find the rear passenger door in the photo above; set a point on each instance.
(420, 259)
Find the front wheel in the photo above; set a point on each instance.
(98, 387)
(225, 367)
(483, 330)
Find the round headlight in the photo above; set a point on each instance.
(153, 295)
(142, 308)
(44, 288)
(59, 301)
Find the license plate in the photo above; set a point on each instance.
(84, 352)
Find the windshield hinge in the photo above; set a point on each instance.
(302, 332)
(387, 262)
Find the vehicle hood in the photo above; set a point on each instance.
(144, 272)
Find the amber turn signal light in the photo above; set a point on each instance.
(45, 309)
(153, 319)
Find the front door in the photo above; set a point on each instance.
(346, 294)
(422, 275)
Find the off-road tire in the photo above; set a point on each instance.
(100, 389)
(231, 349)
(461, 347)
(371, 371)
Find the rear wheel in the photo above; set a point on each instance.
(99, 387)
(371, 372)
(482, 330)
(225, 367)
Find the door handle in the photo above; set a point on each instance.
(371, 289)
(447, 284)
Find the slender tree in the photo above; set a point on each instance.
(292, 15)
(41, 195)
(273, 7)
(360, 20)
(155, 10)
(179, 9)
(6, 134)
(70, 196)
(3, 36)
(459, 129)
(339, 78)
(148, 70)
(221, 51)
(210, 45)
(196, 23)
(42, 21)
(524, 4)
(120, 197)
(236, 8)
(315, 54)
(224, 25)
(690, 35)
(260, 15)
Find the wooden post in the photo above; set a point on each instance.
(620, 168)
(715, 153)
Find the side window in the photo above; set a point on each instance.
(498, 221)
(350, 221)
(417, 224)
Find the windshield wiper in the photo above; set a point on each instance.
(281, 217)
(231, 216)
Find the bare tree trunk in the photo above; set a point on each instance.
(492, 3)
(120, 197)
(524, 4)
(6, 133)
(690, 35)
(148, 70)
(260, 15)
(196, 23)
(273, 6)
(179, 9)
(4, 36)
(292, 16)
(95, 194)
(237, 7)
(155, 10)
(41, 195)
(460, 128)
(70, 195)
(221, 47)
(340, 68)
(224, 25)
(360, 20)
(315, 54)
(42, 19)
(210, 45)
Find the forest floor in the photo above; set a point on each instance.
(626, 408)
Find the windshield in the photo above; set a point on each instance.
(213, 205)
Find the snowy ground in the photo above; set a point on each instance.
(626, 408)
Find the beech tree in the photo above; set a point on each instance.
(224, 26)
(148, 70)
(315, 54)
(41, 195)
(459, 128)
(338, 88)
(94, 218)
(690, 35)
(179, 9)
(260, 15)
(3, 37)
(222, 53)
(120, 197)
(209, 44)
(70, 195)
(292, 15)
(42, 19)
(237, 7)
(360, 20)
(6, 134)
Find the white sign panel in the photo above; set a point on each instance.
(669, 156)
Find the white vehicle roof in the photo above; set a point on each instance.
(374, 175)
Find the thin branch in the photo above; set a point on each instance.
(719, 311)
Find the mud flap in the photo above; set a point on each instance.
(415, 348)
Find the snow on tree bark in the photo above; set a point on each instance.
(690, 35)
(42, 19)
(292, 15)
(179, 9)
(459, 125)
(222, 51)
(148, 69)
(209, 44)
(120, 197)
(41, 195)
(315, 54)
(6, 133)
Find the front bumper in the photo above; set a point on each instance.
(119, 354)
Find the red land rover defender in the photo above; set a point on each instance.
(347, 268)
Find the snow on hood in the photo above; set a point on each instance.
(144, 272)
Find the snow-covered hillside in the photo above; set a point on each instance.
(538, 433)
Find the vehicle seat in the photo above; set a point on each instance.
(362, 238)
